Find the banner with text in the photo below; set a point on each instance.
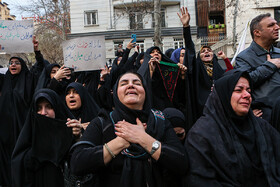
(85, 53)
(16, 36)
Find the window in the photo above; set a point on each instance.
(162, 13)
(116, 45)
(136, 21)
(216, 18)
(141, 46)
(178, 43)
(90, 17)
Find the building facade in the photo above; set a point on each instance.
(118, 19)
(5, 12)
(246, 11)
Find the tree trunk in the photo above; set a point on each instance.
(157, 29)
(234, 37)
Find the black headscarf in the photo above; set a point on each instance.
(141, 167)
(247, 148)
(42, 144)
(169, 52)
(89, 108)
(91, 79)
(45, 78)
(137, 63)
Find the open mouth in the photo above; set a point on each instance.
(131, 93)
(157, 57)
(207, 55)
(72, 102)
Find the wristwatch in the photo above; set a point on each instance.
(155, 147)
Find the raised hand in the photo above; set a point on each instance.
(62, 73)
(35, 43)
(76, 126)
(222, 55)
(275, 61)
(130, 45)
(184, 17)
(182, 69)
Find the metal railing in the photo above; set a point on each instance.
(211, 40)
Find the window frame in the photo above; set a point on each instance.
(90, 12)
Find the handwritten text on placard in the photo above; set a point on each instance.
(16, 36)
(86, 53)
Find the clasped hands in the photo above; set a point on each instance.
(131, 133)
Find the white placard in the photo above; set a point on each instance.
(85, 53)
(3, 70)
(16, 36)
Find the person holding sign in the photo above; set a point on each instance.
(163, 75)
(16, 94)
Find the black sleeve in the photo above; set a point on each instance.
(189, 58)
(2, 76)
(85, 158)
(130, 62)
(104, 96)
(173, 154)
(56, 86)
(38, 67)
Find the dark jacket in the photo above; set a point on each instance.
(264, 74)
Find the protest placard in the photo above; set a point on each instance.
(85, 53)
(3, 70)
(16, 36)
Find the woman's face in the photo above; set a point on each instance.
(73, 99)
(180, 132)
(45, 108)
(182, 55)
(206, 54)
(156, 54)
(14, 66)
(53, 72)
(131, 91)
(241, 98)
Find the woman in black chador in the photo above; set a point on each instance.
(16, 93)
(44, 142)
(47, 74)
(228, 145)
(81, 103)
(202, 72)
(132, 145)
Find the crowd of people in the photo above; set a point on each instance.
(151, 119)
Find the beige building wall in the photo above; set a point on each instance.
(5, 12)
(247, 10)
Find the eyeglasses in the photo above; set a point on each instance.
(16, 63)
